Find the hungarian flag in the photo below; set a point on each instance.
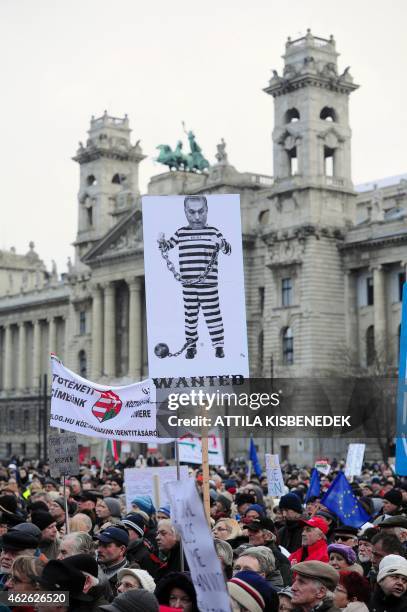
(113, 449)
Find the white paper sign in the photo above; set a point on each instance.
(190, 450)
(115, 413)
(275, 481)
(354, 460)
(188, 516)
(210, 312)
(323, 466)
(63, 454)
(140, 481)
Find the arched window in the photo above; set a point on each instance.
(292, 115)
(328, 114)
(292, 162)
(370, 346)
(288, 346)
(91, 180)
(82, 363)
(264, 217)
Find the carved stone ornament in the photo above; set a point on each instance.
(131, 238)
(286, 252)
(289, 142)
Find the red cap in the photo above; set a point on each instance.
(316, 521)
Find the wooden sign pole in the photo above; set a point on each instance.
(205, 469)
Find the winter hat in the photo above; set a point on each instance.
(244, 498)
(145, 503)
(134, 521)
(39, 505)
(394, 496)
(345, 551)
(257, 508)
(180, 580)
(28, 529)
(251, 591)
(165, 510)
(8, 504)
(355, 585)
(42, 519)
(145, 579)
(391, 565)
(18, 540)
(114, 506)
(61, 576)
(84, 563)
(291, 502)
(135, 600)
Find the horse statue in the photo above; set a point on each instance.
(199, 163)
(166, 157)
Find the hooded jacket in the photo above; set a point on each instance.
(179, 580)
(387, 603)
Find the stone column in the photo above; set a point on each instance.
(135, 329)
(351, 320)
(380, 318)
(97, 333)
(52, 335)
(22, 357)
(8, 359)
(36, 354)
(110, 331)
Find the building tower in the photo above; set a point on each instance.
(311, 207)
(108, 179)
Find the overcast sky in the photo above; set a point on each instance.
(163, 62)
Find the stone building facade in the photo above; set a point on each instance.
(324, 261)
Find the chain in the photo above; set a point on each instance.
(196, 281)
(187, 343)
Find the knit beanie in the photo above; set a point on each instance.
(257, 508)
(42, 519)
(290, 502)
(8, 504)
(355, 585)
(345, 551)
(145, 503)
(135, 600)
(165, 510)
(113, 505)
(390, 565)
(394, 496)
(145, 579)
(251, 591)
(226, 503)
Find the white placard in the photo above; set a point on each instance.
(188, 516)
(354, 460)
(114, 413)
(323, 466)
(63, 454)
(275, 481)
(190, 450)
(211, 312)
(140, 481)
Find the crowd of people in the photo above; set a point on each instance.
(278, 555)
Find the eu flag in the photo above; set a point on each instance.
(341, 500)
(314, 485)
(254, 459)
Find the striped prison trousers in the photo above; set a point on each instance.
(206, 298)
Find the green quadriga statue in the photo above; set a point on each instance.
(191, 162)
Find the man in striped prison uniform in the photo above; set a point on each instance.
(196, 243)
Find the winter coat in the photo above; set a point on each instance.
(289, 535)
(171, 563)
(356, 606)
(315, 552)
(140, 552)
(386, 603)
(282, 565)
(326, 606)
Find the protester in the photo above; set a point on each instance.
(314, 545)
(139, 549)
(390, 592)
(81, 522)
(169, 547)
(15, 543)
(129, 578)
(133, 601)
(49, 542)
(251, 592)
(23, 569)
(343, 557)
(177, 591)
(261, 560)
(224, 552)
(227, 529)
(111, 551)
(313, 586)
(77, 542)
(285, 597)
(352, 592)
(290, 534)
(108, 512)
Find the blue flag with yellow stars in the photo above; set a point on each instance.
(254, 459)
(314, 486)
(341, 500)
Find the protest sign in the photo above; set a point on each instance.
(195, 296)
(354, 460)
(188, 516)
(322, 465)
(401, 441)
(275, 481)
(141, 481)
(63, 454)
(119, 413)
(190, 449)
